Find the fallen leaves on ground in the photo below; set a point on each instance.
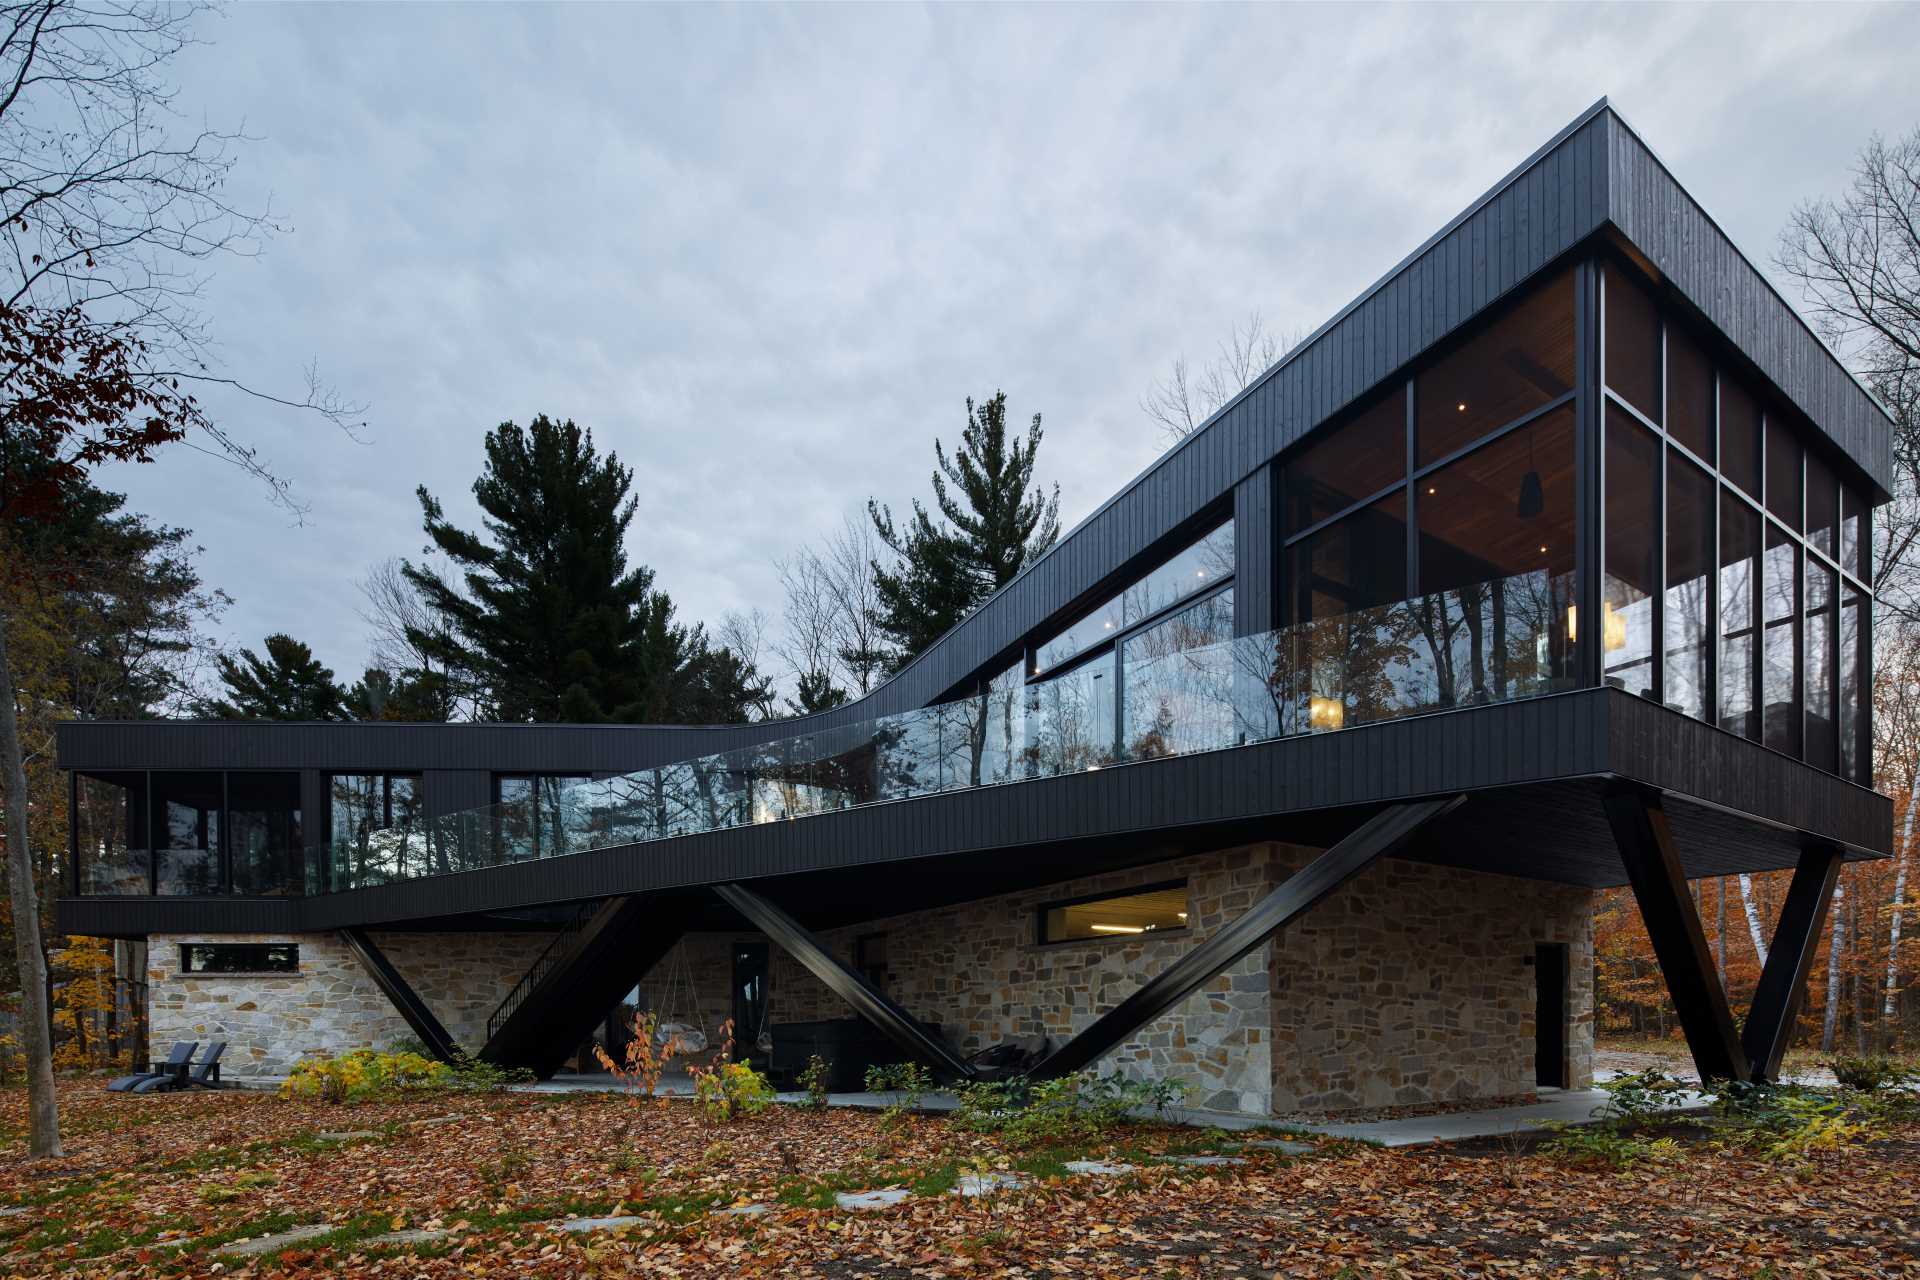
(149, 1185)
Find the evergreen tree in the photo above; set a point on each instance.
(288, 684)
(553, 624)
(380, 694)
(815, 691)
(991, 522)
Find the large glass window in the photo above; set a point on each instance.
(1070, 719)
(376, 829)
(1517, 363)
(1160, 909)
(1203, 565)
(1822, 736)
(1780, 640)
(1690, 404)
(1783, 472)
(1855, 553)
(186, 832)
(1631, 574)
(1178, 676)
(264, 833)
(1688, 617)
(1823, 505)
(1739, 639)
(110, 828)
(1739, 437)
(538, 813)
(1496, 532)
(1357, 458)
(1853, 693)
(1633, 345)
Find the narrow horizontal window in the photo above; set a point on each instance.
(1160, 909)
(239, 957)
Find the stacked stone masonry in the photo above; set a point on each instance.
(271, 1021)
(1412, 983)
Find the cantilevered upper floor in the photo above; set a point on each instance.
(1569, 494)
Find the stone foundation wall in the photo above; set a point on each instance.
(1412, 983)
(1415, 983)
(271, 1021)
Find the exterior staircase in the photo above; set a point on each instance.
(598, 955)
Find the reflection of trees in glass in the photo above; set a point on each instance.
(1071, 718)
(1180, 683)
(1486, 642)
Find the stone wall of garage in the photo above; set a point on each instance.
(271, 1021)
(1413, 983)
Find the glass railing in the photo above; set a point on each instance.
(1483, 643)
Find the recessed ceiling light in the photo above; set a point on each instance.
(1431, 489)
(1461, 407)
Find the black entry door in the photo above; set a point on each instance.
(1550, 1014)
(749, 997)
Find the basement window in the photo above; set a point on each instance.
(1160, 908)
(239, 957)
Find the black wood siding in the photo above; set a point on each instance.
(1273, 790)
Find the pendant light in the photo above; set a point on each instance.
(1533, 498)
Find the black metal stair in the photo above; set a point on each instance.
(405, 999)
(599, 954)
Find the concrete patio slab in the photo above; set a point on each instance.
(972, 1185)
(580, 1226)
(1098, 1168)
(278, 1240)
(884, 1199)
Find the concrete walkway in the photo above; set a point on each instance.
(1574, 1106)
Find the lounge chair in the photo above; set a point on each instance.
(176, 1062)
(204, 1074)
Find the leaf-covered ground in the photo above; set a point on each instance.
(149, 1186)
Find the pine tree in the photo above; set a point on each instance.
(288, 684)
(549, 620)
(992, 521)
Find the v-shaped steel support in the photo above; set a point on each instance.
(1720, 1050)
(406, 1001)
(889, 1018)
(1375, 837)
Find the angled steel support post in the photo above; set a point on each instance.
(1783, 980)
(1679, 943)
(404, 998)
(889, 1018)
(1377, 836)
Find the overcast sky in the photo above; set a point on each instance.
(765, 253)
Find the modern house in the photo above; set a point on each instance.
(1542, 567)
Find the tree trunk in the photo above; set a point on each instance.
(1753, 917)
(1899, 901)
(1836, 942)
(1720, 933)
(36, 1036)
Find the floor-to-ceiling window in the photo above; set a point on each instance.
(188, 833)
(376, 829)
(1704, 467)
(1429, 533)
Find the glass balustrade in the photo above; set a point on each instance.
(1181, 689)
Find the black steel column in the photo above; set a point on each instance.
(406, 1001)
(1659, 886)
(1783, 980)
(889, 1018)
(1376, 836)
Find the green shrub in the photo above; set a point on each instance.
(731, 1090)
(1787, 1122)
(480, 1076)
(814, 1081)
(363, 1073)
(910, 1080)
(1071, 1109)
(1869, 1073)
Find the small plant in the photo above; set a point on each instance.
(477, 1075)
(645, 1058)
(731, 1090)
(1071, 1109)
(363, 1074)
(1870, 1073)
(910, 1080)
(1633, 1102)
(814, 1081)
(725, 1090)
